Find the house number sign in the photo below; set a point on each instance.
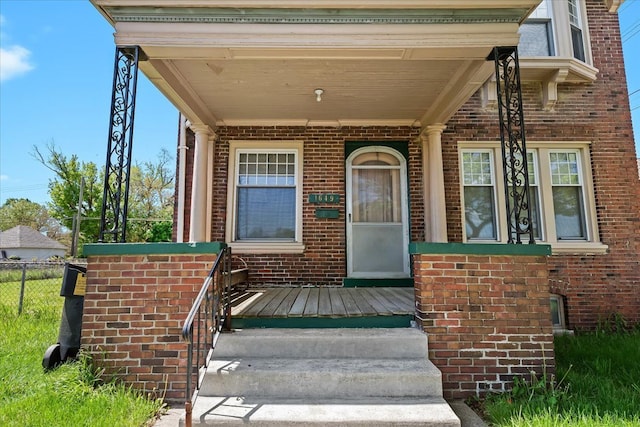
(324, 198)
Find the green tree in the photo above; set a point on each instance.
(151, 200)
(64, 190)
(25, 212)
(150, 210)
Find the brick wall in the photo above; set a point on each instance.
(595, 286)
(323, 261)
(487, 319)
(133, 313)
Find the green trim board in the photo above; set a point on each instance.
(416, 248)
(351, 282)
(402, 321)
(93, 249)
(308, 15)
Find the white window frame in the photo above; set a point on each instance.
(580, 175)
(576, 20)
(493, 185)
(267, 245)
(542, 150)
(558, 13)
(535, 183)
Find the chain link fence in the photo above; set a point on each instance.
(31, 286)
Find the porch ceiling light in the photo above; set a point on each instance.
(318, 93)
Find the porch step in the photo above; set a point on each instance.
(374, 343)
(319, 377)
(233, 410)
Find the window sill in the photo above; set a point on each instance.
(564, 248)
(549, 70)
(562, 69)
(267, 247)
(560, 330)
(579, 248)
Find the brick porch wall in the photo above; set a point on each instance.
(133, 313)
(487, 318)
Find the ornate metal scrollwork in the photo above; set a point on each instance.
(513, 142)
(115, 200)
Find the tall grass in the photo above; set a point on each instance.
(72, 395)
(597, 384)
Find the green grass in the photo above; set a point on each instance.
(15, 275)
(597, 384)
(73, 394)
(37, 294)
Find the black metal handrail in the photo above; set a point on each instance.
(209, 315)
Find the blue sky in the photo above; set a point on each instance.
(56, 73)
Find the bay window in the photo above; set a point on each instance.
(555, 29)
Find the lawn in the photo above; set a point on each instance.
(597, 381)
(597, 384)
(72, 395)
(41, 288)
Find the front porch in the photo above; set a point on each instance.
(323, 307)
(484, 309)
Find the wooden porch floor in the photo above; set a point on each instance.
(324, 302)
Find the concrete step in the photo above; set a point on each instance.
(233, 410)
(322, 378)
(375, 343)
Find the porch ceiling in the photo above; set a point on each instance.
(412, 65)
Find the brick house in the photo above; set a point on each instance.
(357, 144)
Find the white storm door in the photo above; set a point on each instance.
(377, 219)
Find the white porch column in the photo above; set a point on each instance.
(211, 149)
(182, 174)
(435, 212)
(197, 223)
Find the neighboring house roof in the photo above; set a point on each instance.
(23, 237)
(638, 168)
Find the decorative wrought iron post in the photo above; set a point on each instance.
(115, 199)
(513, 142)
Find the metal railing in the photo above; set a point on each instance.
(209, 315)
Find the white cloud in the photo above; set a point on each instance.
(14, 61)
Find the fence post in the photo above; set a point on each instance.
(24, 277)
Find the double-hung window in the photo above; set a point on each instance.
(575, 24)
(264, 209)
(560, 192)
(568, 195)
(479, 195)
(534, 197)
